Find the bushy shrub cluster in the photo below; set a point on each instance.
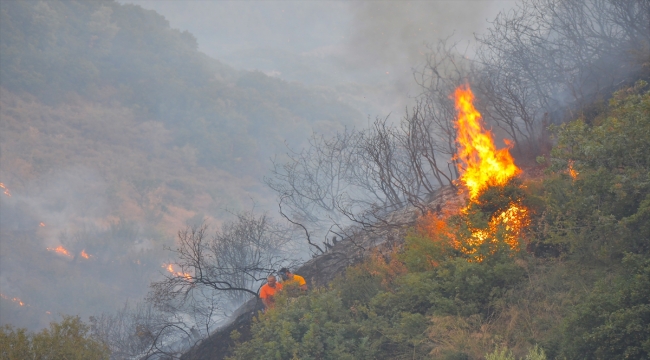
(68, 339)
(603, 210)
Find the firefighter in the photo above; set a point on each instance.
(291, 279)
(268, 290)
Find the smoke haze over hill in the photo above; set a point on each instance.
(127, 125)
(365, 50)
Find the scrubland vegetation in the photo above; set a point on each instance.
(152, 135)
(68, 339)
(577, 287)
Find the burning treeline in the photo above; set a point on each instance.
(483, 169)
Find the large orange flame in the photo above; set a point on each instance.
(480, 163)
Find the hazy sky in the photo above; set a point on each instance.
(375, 44)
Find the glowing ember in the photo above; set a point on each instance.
(510, 223)
(170, 268)
(481, 164)
(41, 224)
(84, 254)
(60, 250)
(6, 191)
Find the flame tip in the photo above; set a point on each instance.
(480, 162)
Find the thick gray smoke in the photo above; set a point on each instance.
(364, 50)
(63, 252)
(396, 33)
(389, 39)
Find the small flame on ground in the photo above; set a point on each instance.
(572, 172)
(6, 191)
(84, 254)
(170, 268)
(42, 224)
(60, 250)
(480, 163)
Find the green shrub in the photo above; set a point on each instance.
(613, 321)
(68, 339)
(603, 212)
(500, 354)
(504, 354)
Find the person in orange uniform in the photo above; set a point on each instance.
(289, 278)
(268, 290)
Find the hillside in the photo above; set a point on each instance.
(505, 216)
(115, 132)
(572, 285)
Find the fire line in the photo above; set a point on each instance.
(60, 250)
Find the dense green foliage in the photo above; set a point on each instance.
(504, 354)
(604, 212)
(614, 319)
(68, 339)
(580, 291)
(602, 218)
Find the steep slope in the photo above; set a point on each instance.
(115, 132)
(574, 283)
(322, 269)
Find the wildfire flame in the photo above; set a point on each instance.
(60, 250)
(480, 163)
(42, 224)
(170, 268)
(16, 300)
(572, 172)
(512, 220)
(6, 191)
(84, 254)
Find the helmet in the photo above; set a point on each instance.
(283, 273)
